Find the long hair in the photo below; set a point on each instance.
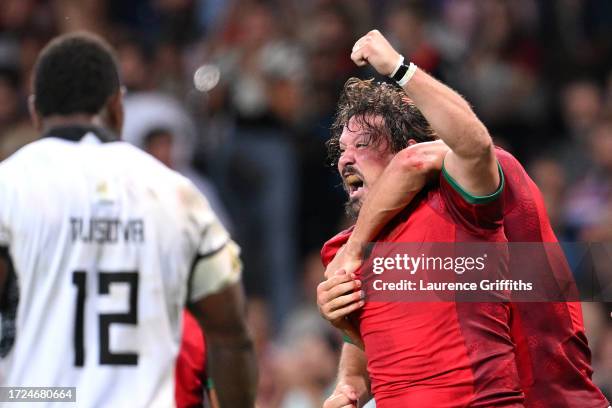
(366, 100)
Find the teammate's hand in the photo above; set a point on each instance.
(341, 293)
(348, 258)
(373, 48)
(344, 396)
(339, 296)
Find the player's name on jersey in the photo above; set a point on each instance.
(106, 230)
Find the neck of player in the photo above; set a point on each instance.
(78, 119)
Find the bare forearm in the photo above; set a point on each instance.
(449, 115)
(233, 369)
(232, 364)
(389, 195)
(352, 370)
(471, 161)
(403, 178)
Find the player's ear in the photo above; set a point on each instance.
(34, 115)
(114, 111)
(411, 142)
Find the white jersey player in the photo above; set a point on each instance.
(103, 247)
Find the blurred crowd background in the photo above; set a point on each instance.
(239, 97)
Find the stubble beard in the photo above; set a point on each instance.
(352, 208)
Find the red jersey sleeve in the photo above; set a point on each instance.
(477, 214)
(331, 247)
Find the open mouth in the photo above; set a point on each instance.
(354, 184)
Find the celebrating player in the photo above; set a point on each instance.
(417, 353)
(398, 185)
(102, 246)
(546, 334)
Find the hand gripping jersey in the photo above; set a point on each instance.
(102, 239)
(441, 354)
(552, 354)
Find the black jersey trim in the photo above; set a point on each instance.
(75, 133)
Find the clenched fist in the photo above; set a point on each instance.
(374, 49)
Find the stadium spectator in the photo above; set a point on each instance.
(588, 212)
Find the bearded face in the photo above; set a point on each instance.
(360, 164)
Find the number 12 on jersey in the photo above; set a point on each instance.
(105, 279)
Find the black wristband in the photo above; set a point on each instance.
(401, 71)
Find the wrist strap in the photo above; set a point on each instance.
(399, 64)
(407, 74)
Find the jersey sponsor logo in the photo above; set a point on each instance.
(106, 230)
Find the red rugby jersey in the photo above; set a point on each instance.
(552, 355)
(440, 354)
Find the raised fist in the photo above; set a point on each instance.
(374, 49)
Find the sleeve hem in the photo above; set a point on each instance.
(473, 199)
(347, 339)
(215, 272)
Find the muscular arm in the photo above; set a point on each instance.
(217, 301)
(231, 355)
(353, 387)
(352, 370)
(403, 178)
(471, 161)
(400, 182)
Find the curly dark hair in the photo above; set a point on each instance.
(364, 100)
(75, 73)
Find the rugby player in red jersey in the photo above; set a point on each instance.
(441, 354)
(553, 358)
